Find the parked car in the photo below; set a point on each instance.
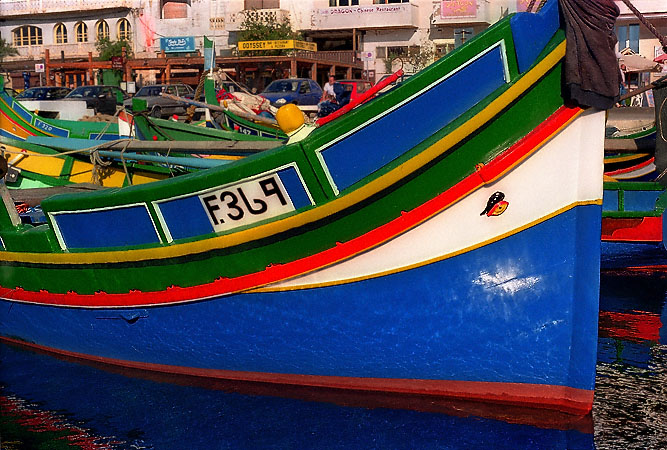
(160, 106)
(44, 93)
(300, 91)
(355, 87)
(101, 98)
(11, 92)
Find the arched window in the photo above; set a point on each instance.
(101, 30)
(124, 31)
(27, 35)
(60, 33)
(81, 32)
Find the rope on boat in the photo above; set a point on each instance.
(97, 162)
(532, 3)
(191, 109)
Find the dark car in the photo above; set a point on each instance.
(101, 99)
(160, 106)
(300, 91)
(44, 93)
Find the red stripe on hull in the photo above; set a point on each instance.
(631, 168)
(26, 132)
(222, 286)
(542, 401)
(640, 229)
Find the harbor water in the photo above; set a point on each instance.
(53, 403)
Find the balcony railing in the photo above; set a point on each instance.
(233, 21)
(29, 7)
(403, 15)
(341, 56)
(73, 50)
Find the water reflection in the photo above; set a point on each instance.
(630, 409)
(124, 412)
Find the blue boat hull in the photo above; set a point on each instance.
(429, 326)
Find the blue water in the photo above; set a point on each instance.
(117, 411)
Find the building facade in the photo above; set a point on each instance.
(384, 34)
(633, 35)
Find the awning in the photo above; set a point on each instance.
(661, 59)
(637, 63)
(443, 41)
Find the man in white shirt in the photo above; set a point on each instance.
(328, 92)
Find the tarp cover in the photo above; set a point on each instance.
(592, 76)
(637, 63)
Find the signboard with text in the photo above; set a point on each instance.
(117, 62)
(282, 44)
(458, 8)
(177, 44)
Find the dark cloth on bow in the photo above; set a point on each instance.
(591, 73)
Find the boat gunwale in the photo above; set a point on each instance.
(336, 205)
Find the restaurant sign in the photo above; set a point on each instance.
(177, 44)
(282, 44)
(458, 8)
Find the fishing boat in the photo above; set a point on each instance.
(630, 167)
(630, 154)
(152, 129)
(413, 246)
(17, 122)
(31, 165)
(633, 216)
(250, 125)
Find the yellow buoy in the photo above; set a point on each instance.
(290, 118)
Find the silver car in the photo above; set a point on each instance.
(160, 106)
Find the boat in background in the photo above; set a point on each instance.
(630, 167)
(36, 166)
(633, 220)
(413, 248)
(17, 122)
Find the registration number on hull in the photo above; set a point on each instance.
(246, 202)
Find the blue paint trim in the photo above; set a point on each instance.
(21, 111)
(523, 309)
(52, 129)
(107, 228)
(7, 134)
(532, 32)
(610, 200)
(295, 188)
(185, 217)
(360, 154)
(232, 125)
(105, 136)
(641, 200)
